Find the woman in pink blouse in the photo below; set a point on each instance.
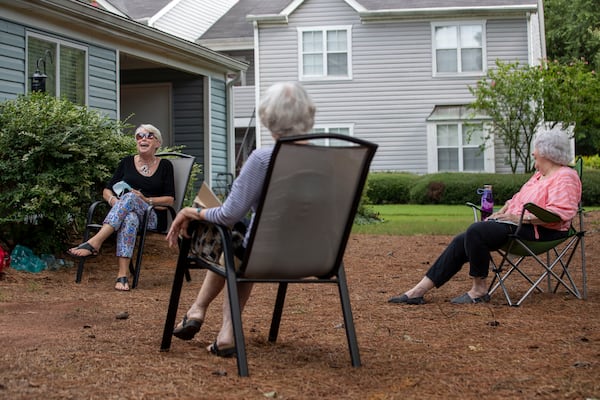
(554, 186)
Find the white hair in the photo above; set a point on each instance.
(151, 129)
(554, 145)
(286, 109)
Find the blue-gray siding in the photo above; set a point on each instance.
(392, 90)
(102, 68)
(102, 80)
(218, 123)
(12, 60)
(188, 118)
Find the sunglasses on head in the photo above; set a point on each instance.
(144, 135)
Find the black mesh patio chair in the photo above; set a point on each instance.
(182, 169)
(311, 194)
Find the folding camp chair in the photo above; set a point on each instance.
(553, 256)
(311, 193)
(182, 169)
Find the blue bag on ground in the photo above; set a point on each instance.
(23, 259)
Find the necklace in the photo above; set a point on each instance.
(145, 168)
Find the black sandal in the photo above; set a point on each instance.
(225, 353)
(123, 280)
(187, 329)
(84, 246)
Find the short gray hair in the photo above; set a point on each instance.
(286, 109)
(554, 145)
(151, 129)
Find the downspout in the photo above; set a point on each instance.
(231, 122)
(542, 28)
(257, 130)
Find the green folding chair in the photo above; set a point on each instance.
(553, 256)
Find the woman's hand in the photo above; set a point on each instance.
(180, 225)
(505, 217)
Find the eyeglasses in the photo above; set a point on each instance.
(144, 135)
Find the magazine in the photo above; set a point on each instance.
(206, 197)
(502, 221)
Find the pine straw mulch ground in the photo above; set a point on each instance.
(62, 340)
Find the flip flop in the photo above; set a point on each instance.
(187, 329)
(84, 246)
(123, 281)
(225, 353)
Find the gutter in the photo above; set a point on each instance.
(386, 15)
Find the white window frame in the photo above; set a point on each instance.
(56, 63)
(327, 128)
(324, 52)
(432, 147)
(459, 71)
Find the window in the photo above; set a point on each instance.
(65, 65)
(458, 48)
(324, 53)
(456, 140)
(458, 147)
(342, 130)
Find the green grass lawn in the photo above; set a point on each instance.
(417, 219)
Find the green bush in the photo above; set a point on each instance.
(592, 162)
(458, 188)
(55, 158)
(390, 188)
(591, 187)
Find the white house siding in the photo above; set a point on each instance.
(392, 90)
(506, 41)
(189, 19)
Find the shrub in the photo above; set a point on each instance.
(458, 188)
(390, 188)
(592, 162)
(55, 158)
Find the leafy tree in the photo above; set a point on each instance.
(573, 30)
(571, 97)
(511, 95)
(55, 157)
(573, 33)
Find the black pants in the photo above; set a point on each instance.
(474, 246)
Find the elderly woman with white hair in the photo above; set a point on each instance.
(554, 186)
(151, 181)
(286, 110)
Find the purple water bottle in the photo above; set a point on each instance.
(487, 201)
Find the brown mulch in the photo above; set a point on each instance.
(62, 340)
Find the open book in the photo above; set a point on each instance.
(206, 197)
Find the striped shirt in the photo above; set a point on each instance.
(245, 192)
(559, 193)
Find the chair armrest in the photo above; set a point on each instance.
(541, 213)
(92, 210)
(475, 209)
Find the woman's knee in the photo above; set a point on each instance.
(131, 223)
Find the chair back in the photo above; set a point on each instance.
(182, 169)
(310, 197)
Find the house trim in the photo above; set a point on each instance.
(402, 13)
(74, 18)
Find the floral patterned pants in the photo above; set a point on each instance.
(125, 217)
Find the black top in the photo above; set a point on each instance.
(161, 183)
